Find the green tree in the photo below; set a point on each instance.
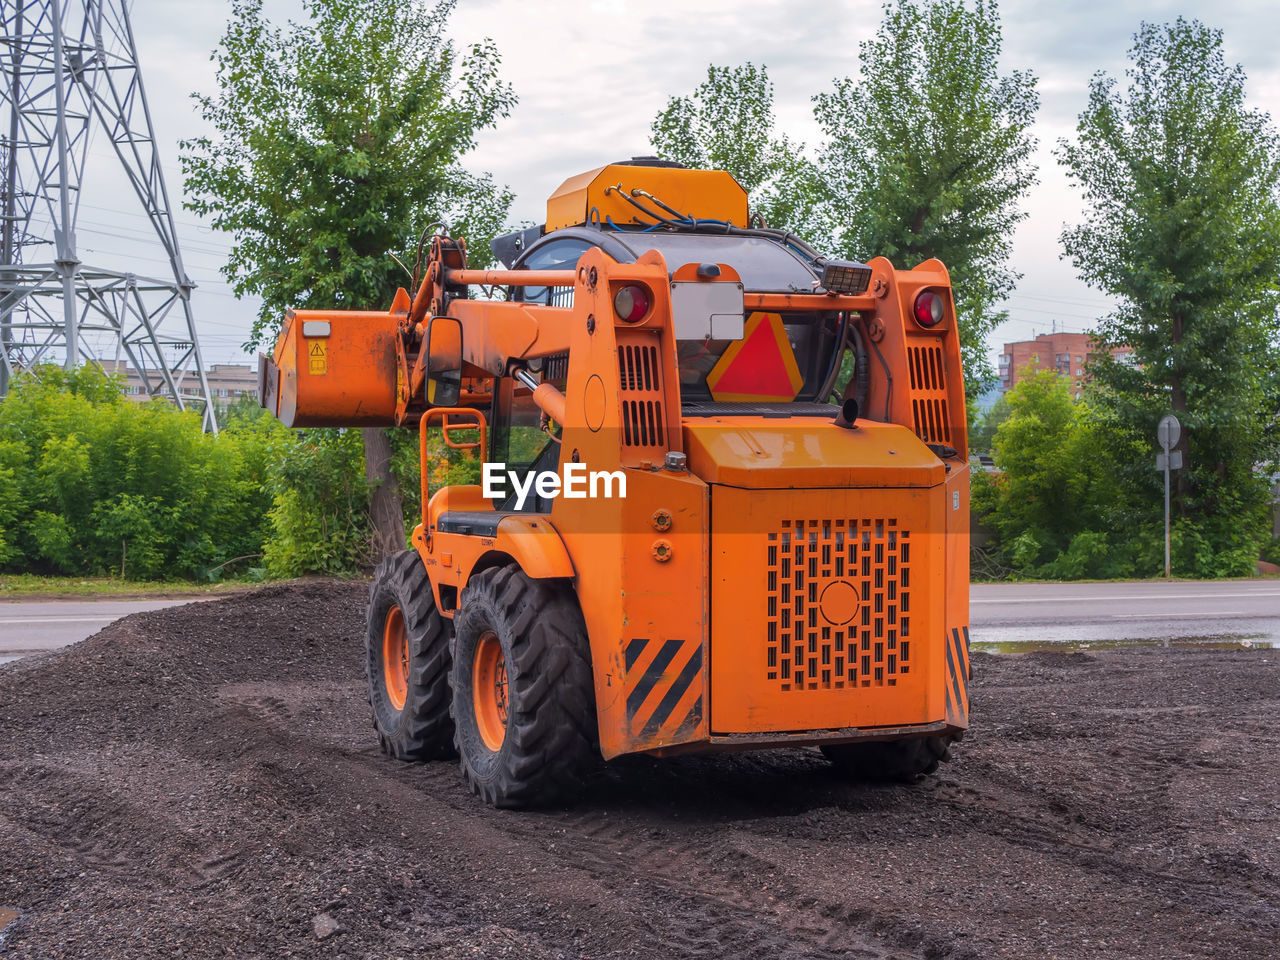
(1052, 503)
(1181, 178)
(728, 123)
(338, 141)
(986, 424)
(927, 153)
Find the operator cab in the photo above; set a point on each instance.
(785, 363)
(793, 370)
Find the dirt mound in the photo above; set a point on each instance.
(203, 781)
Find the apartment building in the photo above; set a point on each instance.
(227, 381)
(1065, 352)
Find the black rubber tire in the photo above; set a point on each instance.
(423, 729)
(551, 740)
(890, 761)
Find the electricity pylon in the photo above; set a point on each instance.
(68, 72)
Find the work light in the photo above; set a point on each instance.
(845, 276)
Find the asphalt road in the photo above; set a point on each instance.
(1001, 614)
(1219, 611)
(34, 626)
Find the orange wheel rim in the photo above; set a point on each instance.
(489, 690)
(395, 658)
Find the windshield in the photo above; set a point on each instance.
(764, 265)
(782, 356)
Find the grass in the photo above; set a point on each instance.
(14, 586)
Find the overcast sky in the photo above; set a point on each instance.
(591, 74)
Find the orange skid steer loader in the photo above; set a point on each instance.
(689, 535)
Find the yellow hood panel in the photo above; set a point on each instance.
(769, 453)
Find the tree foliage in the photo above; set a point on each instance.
(928, 151)
(1052, 504)
(982, 434)
(728, 123)
(92, 483)
(338, 140)
(1181, 178)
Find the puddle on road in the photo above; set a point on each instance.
(1225, 641)
(4, 660)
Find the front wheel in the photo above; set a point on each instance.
(407, 662)
(890, 761)
(523, 693)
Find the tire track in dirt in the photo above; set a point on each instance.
(205, 779)
(702, 909)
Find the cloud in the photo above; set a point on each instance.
(591, 76)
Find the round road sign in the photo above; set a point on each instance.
(1169, 431)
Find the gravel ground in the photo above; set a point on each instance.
(203, 782)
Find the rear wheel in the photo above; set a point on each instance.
(407, 662)
(890, 761)
(523, 694)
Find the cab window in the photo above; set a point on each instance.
(554, 255)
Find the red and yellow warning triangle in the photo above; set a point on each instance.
(761, 367)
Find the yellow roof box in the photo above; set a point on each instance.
(644, 191)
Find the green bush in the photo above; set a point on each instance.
(1054, 501)
(1271, 550)
(319, 513)
(93, 484)
(1071, 478)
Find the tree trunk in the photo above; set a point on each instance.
(385, 509)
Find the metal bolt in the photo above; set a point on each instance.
(676, 461)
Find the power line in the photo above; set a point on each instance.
(59, 92)
(1066, 300)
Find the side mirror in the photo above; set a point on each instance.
(444, 361)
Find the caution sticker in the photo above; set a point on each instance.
(759, 367)
(318, 358)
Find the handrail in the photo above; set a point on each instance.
(512, 278)
(481, 423)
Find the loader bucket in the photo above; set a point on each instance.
(332, 368)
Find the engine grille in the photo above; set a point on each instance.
(812, 566)
(641, 381)
(929, 394)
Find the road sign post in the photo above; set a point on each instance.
(1168, 433)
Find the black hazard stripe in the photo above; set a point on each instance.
(635, 647)
(692, 671)
(640, 684)
(652, 674)
(957, 684)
